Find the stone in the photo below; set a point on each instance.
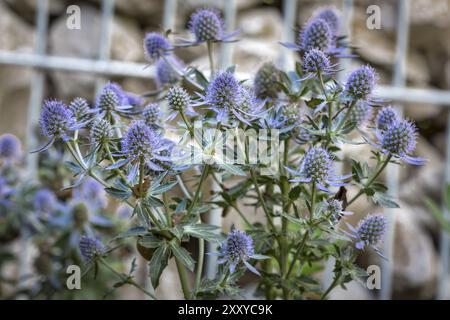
(261, 23)
(14, 80)
(126, 45)
(354, 291)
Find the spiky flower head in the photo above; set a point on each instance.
(101, 132)
(317, 34)
(317, 165)
(165, 74)
(56, 120)
(238, 247)
(370, 231)
(140, 142)
(206, 25)
(45, 201)
(335, 209)
(361, 83)
(156, 46)
(386, 117)
(361, 113)
(315, 61)
(399, 140)
(90, 248)
(80, 109)
(152, 114)
(265, 82)
(178, 98)
(331, 16)
(10, 147)
(224, 92)
(107, 100)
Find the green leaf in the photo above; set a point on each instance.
(132, 232)
(438, 214)
(163, 188)
(119, 194)
(314, 102)
(447, 196)
(141, 214)
(203, 231)
(384, 200)
(182, 255)
(158, 263)
(232, 169)
(150, 241)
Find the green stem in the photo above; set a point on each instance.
(313, 201)
(261, 199)
(201, 258)
(127, 280)
(332, 286)
(188, 124)
(118, 171)
(344, 120)
(167, 209)
(297, 253)
(210, 56)
(369, 183)
(141, 176)
(183, 279)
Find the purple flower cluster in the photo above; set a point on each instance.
(369, 232)
(206, 25)
(361, 83)
(156, 46)
(386, 117)
(317, 167)
(101, 132)
(90, 248)
(317, 34)
(80, 110)
(10, 147)
(331, 16)
(152, 115)
(56, 120)
(45, 202)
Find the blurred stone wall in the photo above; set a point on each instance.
(428, 66)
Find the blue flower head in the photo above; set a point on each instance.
(369, 232)
(386, 117)
(101, 132)
(206, 25)
(317, 34)
(56, 120)
(81, 110)
(156, 46)
(334, 208)
(317, 167)
(265, 82)
(113, 99)
(152, 115)
(178, 99)
(238, 247)
(361, 113)
(45, 202)
(90, 248)
(10, 147)
(331, 16)
(361, 83)
(315, 62)
(143, 143)
(399, 140)
(165, 73)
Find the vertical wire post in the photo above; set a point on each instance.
(170, 9)
(393, 176)
(289, 15)
(34, 107)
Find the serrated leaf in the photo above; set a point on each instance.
(163, 188)
(117, 193)
(158, 263)
(118, 164)
(141, 214)
(132, 232)
(203, 231)
(182, 255)
(384, 200)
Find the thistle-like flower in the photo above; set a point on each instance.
(141, 143)
(207, 25)
(386, 117)
(228, 97)
(156, 46)
(265, 82)
(317, 34)
(369, 232)
(57, 121)
(361, 113)
(238, 247)
(316, 62)
(317, 167)
(399, 140)
(45, 202)
(330, 15)
(334, 208)
(361, 83)
(101, 132)
(81, 110)
(179, 101)
(90, 248)
(93, 193)
(152, 115)
(165, 73)
(10, 148)
(112, 99)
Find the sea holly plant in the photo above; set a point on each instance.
(270, 143)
